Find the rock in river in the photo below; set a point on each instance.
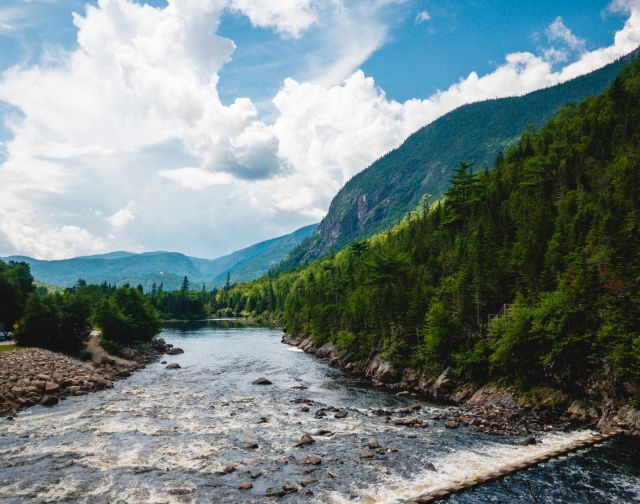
(261, 381)
(174, 351)
(305, 440)
(173, 365)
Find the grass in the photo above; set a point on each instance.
(7, 348)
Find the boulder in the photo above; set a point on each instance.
(173, 365)
(306, 439)
(381, 370)
(341, 414)
(129, 353)
(289, 488)
(48, 400)
(261, 381)
(174, 351)
(51, 387)
(247, 485)
(366, 454)
(444, 384)
(528, 441)
(315, 460)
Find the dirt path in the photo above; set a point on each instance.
(100, 355)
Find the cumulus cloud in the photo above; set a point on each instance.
(291, 17)
(122, 217)
(133, 115)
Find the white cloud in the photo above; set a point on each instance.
(558, 32)
(291, 17)
(11, 16)
(122, 217)
(133, 115)
(196, 178)
(423, 17)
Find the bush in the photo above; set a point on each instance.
(127, 316)
(55, 322)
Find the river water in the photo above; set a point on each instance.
(166, 436)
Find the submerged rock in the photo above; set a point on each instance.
(289, 488)
(529, 440)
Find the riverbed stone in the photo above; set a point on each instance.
(261, 381)
(306, 439)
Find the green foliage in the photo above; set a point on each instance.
(16, 284)
(127, 316)
(55, 322)
(529, 272)
(111, 347)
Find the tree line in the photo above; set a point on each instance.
(61, 321)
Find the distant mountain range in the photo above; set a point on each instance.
(379, 196)
(167, 268)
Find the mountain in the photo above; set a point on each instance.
(168, 268)
(382, 194)
(527, 274)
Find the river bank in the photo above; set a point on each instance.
(32, 376)
(206, 433)
(491, 408)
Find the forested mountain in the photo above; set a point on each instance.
(378, 197)
(529, 272)
(167, 268)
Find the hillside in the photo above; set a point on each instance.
(378, 197)
(167, 268)
(528, 273)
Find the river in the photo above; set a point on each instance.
(166, 436)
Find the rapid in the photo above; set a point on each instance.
(197, 433)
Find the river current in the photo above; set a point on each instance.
(167, 436)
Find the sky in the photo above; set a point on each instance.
(204, 126)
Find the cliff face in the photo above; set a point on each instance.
(379, 196)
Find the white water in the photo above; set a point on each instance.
(162, 436)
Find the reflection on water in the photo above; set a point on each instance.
(195, 434)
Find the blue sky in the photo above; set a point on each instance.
(204, 126)
(416, 60)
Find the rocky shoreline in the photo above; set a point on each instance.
(491, 408)
(32, 376)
